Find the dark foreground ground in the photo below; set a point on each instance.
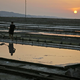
(19, 70)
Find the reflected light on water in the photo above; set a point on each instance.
(37, 54)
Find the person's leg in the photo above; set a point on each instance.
(10, 36)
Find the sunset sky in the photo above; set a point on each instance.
(58, 8)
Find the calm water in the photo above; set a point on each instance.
(37, 54)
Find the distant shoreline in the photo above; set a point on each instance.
(48, 21)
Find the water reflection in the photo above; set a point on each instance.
(2, 44)
(11, 48)
(39, 54)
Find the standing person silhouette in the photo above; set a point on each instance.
(11, 30)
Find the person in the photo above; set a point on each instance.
(11, 30)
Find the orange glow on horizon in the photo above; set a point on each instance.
(75, 9)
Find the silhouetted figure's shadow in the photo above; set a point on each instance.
(11, 49)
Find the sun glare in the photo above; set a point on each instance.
(75, 11)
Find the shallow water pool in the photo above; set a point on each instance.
(37, 54)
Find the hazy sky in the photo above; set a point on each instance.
(58, 8)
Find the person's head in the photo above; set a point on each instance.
(11, 22)
(11, 54)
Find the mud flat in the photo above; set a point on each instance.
(48, 55)
(51, 60)
(44, 38)
(50, 21)
(19, 70)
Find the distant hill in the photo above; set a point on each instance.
(12, 14)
